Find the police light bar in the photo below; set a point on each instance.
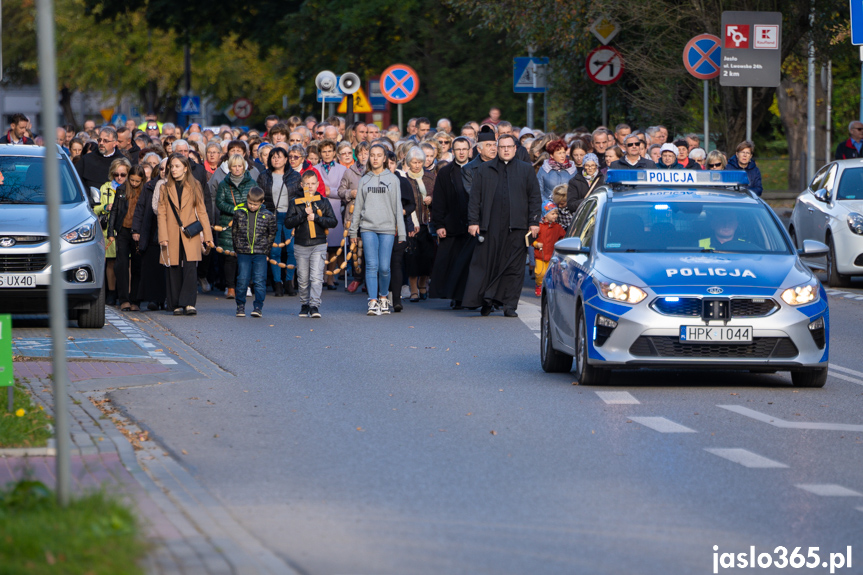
(677, 177)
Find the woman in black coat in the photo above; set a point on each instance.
(145, 231)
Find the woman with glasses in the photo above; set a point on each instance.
(715, 160)
(743, 160)
(145, 231)
(581, 185)
(118, 172)
(128, 260)
(444, 142)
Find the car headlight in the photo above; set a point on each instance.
(802, 294)
(620, 292)
(855, 223)
(82, 233)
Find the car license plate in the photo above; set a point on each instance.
(709, 334)
(17, 281)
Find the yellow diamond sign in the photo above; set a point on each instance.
(361, 103)
(604, 28)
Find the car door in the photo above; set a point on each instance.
(823, 212)
(574, 271)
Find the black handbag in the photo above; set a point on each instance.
(190, 231)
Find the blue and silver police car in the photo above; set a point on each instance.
(682, 269)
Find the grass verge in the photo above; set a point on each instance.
(27, 425)
(96, 534)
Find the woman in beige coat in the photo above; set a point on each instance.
(180, 191)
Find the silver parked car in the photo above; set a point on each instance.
(25, 275)
(830, 210)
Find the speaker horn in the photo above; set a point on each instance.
(326, 81)
(349, 83)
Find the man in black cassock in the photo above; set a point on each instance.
(504, 207)
(449, 218)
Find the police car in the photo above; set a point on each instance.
(682, 269)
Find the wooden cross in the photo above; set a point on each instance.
(307, 199)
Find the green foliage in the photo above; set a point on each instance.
(96, 534)
(27, 425)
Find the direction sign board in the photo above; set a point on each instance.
(605, 29)
(604, 65)
(190, 105)
(376, 97)
(529, 75)
(361, 103)
(242, 108)
(400, 83)
(857, 22)
(335, 96)
(702, 56)
(751, 49)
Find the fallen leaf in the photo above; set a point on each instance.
(493, 432)
(574, 383)
(500, 390)
(245, 391)
(157, 350)
(271, 325)
(469, 413)
(592, 431)
(457, 363)
(216, 435)
(185, 452)
(360, 429)
(733, 394)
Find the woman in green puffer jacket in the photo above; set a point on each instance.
(232, 191)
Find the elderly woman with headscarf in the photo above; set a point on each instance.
(581, 185)
(419, 256)
(557, 169)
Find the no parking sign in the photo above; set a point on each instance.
(702, 56)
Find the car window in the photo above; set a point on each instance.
(829, 181)
(586, 234)
(24, 181)
(850, 184)
(687, 226)
(580, 217)
(819, 177)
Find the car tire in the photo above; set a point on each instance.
(552, 360)
(586, 373)
(810, 377)
(94, 316)
(834, 278)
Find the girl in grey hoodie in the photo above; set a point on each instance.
(378, 213)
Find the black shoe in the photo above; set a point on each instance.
(178, 311)
(397, 307)
(257, 313)
(332, 287)
(278, 289)
(424, 295)
(241, 311)
(111, 297)
(290, 290)
(304, 311)
(485, 310)
(509, 312)
(457, 305)
(152, 306)
(313, 312)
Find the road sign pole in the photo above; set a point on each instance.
(706, 118)
(605, 106)
(350, 118)
(545, 111)
(57, 295)
(401, 121)
(748, 114)
(810, 108)
(827, 123)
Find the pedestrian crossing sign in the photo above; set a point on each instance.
(190, 105)
(528, 75)
(361, 103)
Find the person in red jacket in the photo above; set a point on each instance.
(549, 232)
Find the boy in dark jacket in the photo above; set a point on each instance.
(311, 214)
(254, 229)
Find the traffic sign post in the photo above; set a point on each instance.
(243, 108)
(604, 66)
(376, 97)
(7, 368)
(360, 101)
(190, 105)
(702, 58)
(529, 75)
(857, 40)
(399, 85)
(751, 53)
(604, 29)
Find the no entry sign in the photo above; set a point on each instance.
(400, 83)
(604, 65)
(242, 108)
(702, 56)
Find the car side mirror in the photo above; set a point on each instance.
(570, 247)
(95, 195)
(822, 196)
(813, 249)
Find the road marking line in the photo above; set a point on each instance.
(845, 377)
(828, 490)
(860, 509)
(781, 423)
(530, 315)
(617, 397)
(745, 458)
(662, 425)
(846, 370)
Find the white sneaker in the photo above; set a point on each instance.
(374, 307)
(406, 292)
(249, 292)
(205, 285)
(384, 305)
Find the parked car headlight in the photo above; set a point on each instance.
(802, 294)
(855, 222)
(620, 292)
(82, 233)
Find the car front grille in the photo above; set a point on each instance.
(685, 306)
(671, 347)
(692, 307)
(29, 240)
(752, 307)
(18, 263)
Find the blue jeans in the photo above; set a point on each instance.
(254, 268)
(283, 234)
(378, 249)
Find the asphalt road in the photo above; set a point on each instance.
(431, 442)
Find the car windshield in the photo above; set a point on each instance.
(851, 185)
(24, 181)
(691, 227)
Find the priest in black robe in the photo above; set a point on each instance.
(449, 218)
(504, 209)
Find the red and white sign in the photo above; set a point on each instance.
(766, 37)
(243, 108)
(736, 36)
(604, 65)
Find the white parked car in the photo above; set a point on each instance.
(830, 210)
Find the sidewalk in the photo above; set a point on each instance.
(190, 530)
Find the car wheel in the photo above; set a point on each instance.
(587, 374)
(834, 278)
(94, 316)
(810, 377)
(553, 361)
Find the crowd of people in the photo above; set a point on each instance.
(302, 205)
